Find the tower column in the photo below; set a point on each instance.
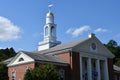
(105, 65)
(89, 66)
(98, 69)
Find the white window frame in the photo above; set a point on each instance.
(13, 75)
(62, 74)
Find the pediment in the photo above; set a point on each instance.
(93, 46)
(20, 58)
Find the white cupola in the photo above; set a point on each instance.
(49, 17)
(49, 33)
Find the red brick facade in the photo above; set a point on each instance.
(20, 70)
(73, 59)
(110, 69)
(71, 71)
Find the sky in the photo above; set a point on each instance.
(22, 21)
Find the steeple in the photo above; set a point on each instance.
(49, 33)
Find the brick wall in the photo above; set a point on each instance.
(75, 66)
(67, 72)
(110, 69)
(73, 59)
(20, 70)
(65, 56)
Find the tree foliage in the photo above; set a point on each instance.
(3, 72)
(28, 75)
(115, 49)
(112, 43)
(6, 53)
(43, 72)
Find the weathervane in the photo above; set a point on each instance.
(49, 7)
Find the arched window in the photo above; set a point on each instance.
(13, 75)
(46, 30)
(21, 59)
(27, 69)
(52, 30)
(62, 74)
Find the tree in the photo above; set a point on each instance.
(115, 49)
(112, 43)
(28, 75)
(3, 72)
(6, 53)
(44, 72)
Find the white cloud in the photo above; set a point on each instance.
(70, 30)
(78, 31)
(8, 31)
(99, 30)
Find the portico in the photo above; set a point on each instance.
(93, 67)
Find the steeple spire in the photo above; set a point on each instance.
(50, 39)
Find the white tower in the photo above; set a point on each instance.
(49, 33)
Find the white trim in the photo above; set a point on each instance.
(15, 61)
(13, 75)
(92, 56)
(81, 74)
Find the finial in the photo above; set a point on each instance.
(49, 7)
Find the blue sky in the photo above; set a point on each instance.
(22, 21)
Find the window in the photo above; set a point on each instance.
(93, 47)
(27, 69)
(21, 59)
(46, 30)
(62, 74)
(13, 75)
(52, 30)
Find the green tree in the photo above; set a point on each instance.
(112, 43)
(12, 52)
(44, 72)
(6, 53)
(28, 75)
(3, 72)
(115, 49)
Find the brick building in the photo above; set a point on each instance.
(85, 59)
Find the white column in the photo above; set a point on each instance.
(105, 65)
(81, 78)
(98, 69)
(89, 68)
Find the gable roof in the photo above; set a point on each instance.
(48, 55)
(7, 61)
(77, 46)
(39, 58)
(62, 47)
(45, 58)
